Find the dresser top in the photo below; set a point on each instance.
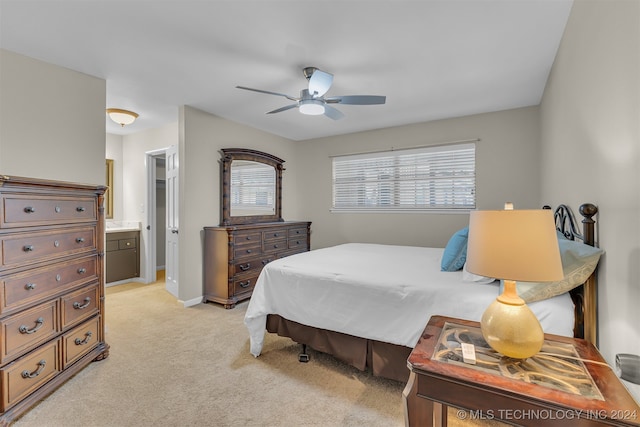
(260, 225)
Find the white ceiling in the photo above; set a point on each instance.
(433, 59)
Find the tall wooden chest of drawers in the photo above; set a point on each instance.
(51, 287)
(235, 255)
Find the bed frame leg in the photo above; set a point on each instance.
(303, 356)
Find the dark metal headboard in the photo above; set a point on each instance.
(585, 296)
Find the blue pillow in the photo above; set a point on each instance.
(455, 253)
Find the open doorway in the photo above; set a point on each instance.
(156, 216)
(161, 215)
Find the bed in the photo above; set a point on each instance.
(367, 304)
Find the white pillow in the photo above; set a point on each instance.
(470, 277)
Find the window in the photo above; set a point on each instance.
(434, 178)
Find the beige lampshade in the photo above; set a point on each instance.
(515, 245)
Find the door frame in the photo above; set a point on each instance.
(150, 273)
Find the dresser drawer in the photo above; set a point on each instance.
(22, 288)
(274, 234)
(274, 245)
(244, 285)
(79, 341)
(300, 243)
(80, 305)
(22, 210)
(300, 232)
(25, 375)
(249, 266)
(247, 251)
(27, 329)
(247, 238)
(40, 246)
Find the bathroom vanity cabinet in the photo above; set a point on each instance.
(123, 255)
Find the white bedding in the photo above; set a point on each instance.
(380, 292)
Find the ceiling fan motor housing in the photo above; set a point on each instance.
(308, 72)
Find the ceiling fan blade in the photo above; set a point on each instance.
(333, 113)
(357, 99)
(268, 92)
(281, 109)
(320, 82)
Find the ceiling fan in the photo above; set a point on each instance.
(312, 100)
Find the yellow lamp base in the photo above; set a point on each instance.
(510, 327)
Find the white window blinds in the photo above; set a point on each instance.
(427, 178)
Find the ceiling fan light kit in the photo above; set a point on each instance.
(311, 107)
(312, 101)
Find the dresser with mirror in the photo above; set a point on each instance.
(252, 232)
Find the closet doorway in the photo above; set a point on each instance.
(156, 215)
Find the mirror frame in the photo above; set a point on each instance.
(228, 156)
(108, 195)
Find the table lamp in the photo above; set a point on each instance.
(513, 245)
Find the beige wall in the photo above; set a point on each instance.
(590, 132)
(134, 178)
(202, 135)
(507, 169)
(52, 121)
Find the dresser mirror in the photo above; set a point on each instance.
(251, 187)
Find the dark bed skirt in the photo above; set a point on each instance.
(383, 359)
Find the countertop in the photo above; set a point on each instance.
(119, 226)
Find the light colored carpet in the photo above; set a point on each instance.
(173, 366)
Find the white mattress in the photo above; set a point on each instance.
(380, 292)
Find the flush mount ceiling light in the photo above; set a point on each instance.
(122, 117)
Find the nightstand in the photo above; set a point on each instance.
(567, 383)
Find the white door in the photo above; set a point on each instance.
(171, 261)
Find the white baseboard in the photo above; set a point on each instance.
(122, 282)
(192, 302)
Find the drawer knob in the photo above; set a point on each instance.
(79, 306)
(29, 209)
(86, 340)
(58, 209)
(248, 237)
(41, 365)
(25, 330)
(82, 270)
(245, 284)
(80, 209)
(28, 248)
(275, 246)
(30, 286)
(248, 251)
(79, 239)
(245, 267)
(266, 261)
